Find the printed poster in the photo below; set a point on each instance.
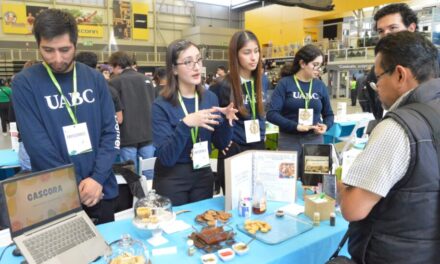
(19, 18)
(89, 22)
(122, 19)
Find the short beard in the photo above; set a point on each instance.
(65, 70)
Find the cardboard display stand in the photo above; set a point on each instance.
(277, 170)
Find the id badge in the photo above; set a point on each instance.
(77, 139)
(252, 129)
(200, 155)
(305, 117)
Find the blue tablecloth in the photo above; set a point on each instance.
(8, 158)
(314, 246)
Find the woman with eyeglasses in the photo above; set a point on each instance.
(300, 104)
(186, 119)
(243, 86)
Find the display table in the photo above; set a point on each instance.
(314, 246)
(8, 161)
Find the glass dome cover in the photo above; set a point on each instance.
(152, 210)
(127, 250)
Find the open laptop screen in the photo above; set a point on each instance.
(40, 197)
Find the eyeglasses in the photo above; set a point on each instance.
(373, 85)
(189, 64)
(316, 66)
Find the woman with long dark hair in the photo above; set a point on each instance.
(300, 105)
(243, 87)
(186, 119)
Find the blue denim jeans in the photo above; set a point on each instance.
(23, 157)
(132, 153)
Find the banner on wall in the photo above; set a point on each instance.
(88, 21)
(140, 21)
(19, 18)
(122, 17)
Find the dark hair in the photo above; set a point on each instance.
(238, 41)
(170, 91)
(411, 50)
(51, 23)
(121, 59)
(159, 74)
(221, 67)
(306, 54)
(408, 15)
(88, 58)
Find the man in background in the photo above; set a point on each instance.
(389, 19)
(137, 94)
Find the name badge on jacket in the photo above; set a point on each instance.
(77, 139)
(252, 130)
(305, 117)
(200, 155)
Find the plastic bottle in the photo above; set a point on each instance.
(259, 198)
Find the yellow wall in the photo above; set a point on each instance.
(282, 25)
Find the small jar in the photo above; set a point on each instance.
(191, 247)
(316, 218)
(332, 219)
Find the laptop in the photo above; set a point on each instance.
(46, 219)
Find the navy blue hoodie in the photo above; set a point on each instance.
(41, 115)
(172, 137)
(286, 101)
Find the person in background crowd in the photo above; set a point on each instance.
(136, 92)
(221, 72)
(243, 86)
(186, 119)
(91, 59)
(300, 104)
(160, 80)
(106, 70)
(391, 18)
(362, 93)
(391, 192)
(5, 101)
(48, 124)
(353, 92)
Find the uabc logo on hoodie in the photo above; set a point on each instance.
(57, 101)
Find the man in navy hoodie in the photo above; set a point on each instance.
(66, 115)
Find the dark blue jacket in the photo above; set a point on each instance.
(223, 92)
(172, 137)
(286, 100)
(404, 226)
(41, 115)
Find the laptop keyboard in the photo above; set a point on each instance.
(55, 241)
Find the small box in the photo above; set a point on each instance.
(321, 203)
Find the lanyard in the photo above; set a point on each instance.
(57, 85)
(307, 99)
(252, 98)
(194, 131)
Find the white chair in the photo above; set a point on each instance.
(146, 164)
(353, 139)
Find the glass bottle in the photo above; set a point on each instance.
(259, 198)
